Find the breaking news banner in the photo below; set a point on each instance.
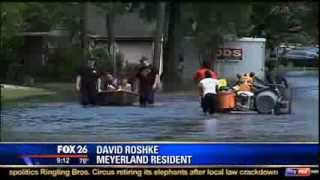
(159, 159)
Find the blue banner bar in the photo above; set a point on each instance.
(162, 154)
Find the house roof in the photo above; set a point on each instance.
(119, 38)
(41, 34)
(129, 25)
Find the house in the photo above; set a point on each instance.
(34, 50)
(37, 46)
(133, 35)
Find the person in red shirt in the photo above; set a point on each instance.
(200, 74)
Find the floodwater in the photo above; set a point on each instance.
(174, 118)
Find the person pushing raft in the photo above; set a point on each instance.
(202, 73)
(208, 88)
(147, 79)
(86, 84)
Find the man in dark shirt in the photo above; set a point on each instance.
(146, 77)
(86, 84)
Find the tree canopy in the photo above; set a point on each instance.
(210, 23)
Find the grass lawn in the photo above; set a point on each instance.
(48, 92)
(12, 94)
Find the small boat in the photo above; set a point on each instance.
(118, 97)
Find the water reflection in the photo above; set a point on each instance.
(174, 118)
(211, 127)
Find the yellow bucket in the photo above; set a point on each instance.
(222, 83)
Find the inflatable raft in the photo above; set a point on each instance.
(119, 97)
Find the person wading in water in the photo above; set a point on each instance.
(208, 88)
(201, 74)
(86, 83)
(147, 83)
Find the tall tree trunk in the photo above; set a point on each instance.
(83, 25)
(158, 35)
(1, 47)
(111, 40)
(170, 59)
(212, 58)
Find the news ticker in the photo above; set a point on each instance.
(157, 154)
(145, 172)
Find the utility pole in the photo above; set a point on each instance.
(158, 35)
(110, 17)
(83, 24)
(111, 39)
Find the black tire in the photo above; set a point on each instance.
(266, 101)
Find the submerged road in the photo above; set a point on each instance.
(175, 118)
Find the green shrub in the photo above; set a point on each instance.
(104, 65)
(105, 62)
(62, 64)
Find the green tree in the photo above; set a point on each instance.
(11, 19)
(110, 11)
(217, 22)
(11, 23)
(71, 18)
(34, 16)
(167, 18)
(285, 22)
(41, 17)
(306, 16)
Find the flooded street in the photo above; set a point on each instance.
(174, 118)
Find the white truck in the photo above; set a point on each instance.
(234, 57)
(241, 56)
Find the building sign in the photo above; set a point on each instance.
(229, 54)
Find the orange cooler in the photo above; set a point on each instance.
(226, 100)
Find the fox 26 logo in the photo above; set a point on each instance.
(298, 172)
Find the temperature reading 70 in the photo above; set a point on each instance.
(83, 160)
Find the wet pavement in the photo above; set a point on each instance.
(174, 118)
